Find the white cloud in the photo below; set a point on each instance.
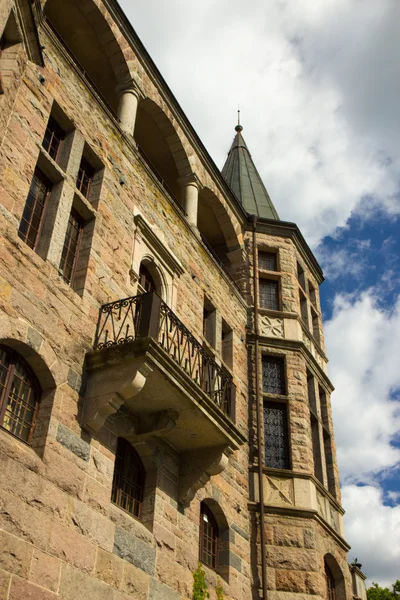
(374, 530)
(362, 340)
(318, 84)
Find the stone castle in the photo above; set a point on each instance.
(163, 378)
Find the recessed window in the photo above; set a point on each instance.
(146, 281)
(35, 208)
(303, 308)
(85, 177)
(19, 396)
(267, 261)
(276, 435)
(71, 247)
(269, 294)
(301, 276)
(208, 537)
(330, 583)
(128, 481)
(209, 322)
(53, 137)
(227, 344)
(273, 375)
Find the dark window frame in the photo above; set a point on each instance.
(269, 300)
(85, 177)
(330, 583)
(208, 538)
(146, 280)
(77, 222)
(267, 260)
(30, 210)
(277, 455)
(127, 460)
(8, 377)
(281, 373)
(53, 138)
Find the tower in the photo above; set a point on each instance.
(295, 491)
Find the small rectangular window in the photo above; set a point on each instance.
(315, 325)
(301, 276)
(303, 308)
(70, 253)
(52, 138)
(85, 177)
(316, 448)
(269, 294)
(227, 344)
(273, 375)
(276, 435)
(209, 322)
(267, 261)
(35, 208)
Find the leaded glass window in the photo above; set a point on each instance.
(208, 537)
(128, 481)
(269, 297)
(276, 435)
(267, 261)
(19, 396)
(273, 375)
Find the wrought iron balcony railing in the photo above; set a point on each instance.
(146, 315)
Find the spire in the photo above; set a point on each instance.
(241, 175)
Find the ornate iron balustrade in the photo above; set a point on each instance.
(146, 315)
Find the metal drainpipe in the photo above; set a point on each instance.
(259, 413)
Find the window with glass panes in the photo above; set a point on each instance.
(330, 583)
(276, 435)
(128, 480)
(19, 396)
(85, 177)
(52, 138)
(35, 208)
(273, 375)
(72, 241)
(208, 537)
(267, 261)
(269, 294)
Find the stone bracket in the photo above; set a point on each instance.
(196, 467)
(109, 388)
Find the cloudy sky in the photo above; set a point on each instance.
(318, 85)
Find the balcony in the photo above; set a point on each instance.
(148, 364)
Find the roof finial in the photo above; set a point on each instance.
(238, 127)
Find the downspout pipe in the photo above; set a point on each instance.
(259, 410)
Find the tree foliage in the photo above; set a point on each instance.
(375, 592)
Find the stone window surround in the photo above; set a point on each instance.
(64, 195)
(219, 326)
(150, 247)
(308, 292)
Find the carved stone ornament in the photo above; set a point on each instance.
(271, 327)
(197, 467)
(280, 491)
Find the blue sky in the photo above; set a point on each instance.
(318, 85)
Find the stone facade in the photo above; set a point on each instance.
(157, 201)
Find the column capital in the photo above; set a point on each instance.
(130, 86)
(190, 179)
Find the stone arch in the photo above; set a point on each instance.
(37, 353)
(216, 226)
(160, 144)
(84, 29)
(340, 585)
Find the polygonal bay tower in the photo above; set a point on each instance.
(163, 389)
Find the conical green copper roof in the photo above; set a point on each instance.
(241, 175)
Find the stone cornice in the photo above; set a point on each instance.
(291, 230)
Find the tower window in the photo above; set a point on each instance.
(208, 537)
(53, 138)
(276, 435)
(19, 396)
(269, 294)
(34, 211)
(70, 253)
(128, 481)
(85, 177)
(267, 261)
(273, 375)
(330, 583)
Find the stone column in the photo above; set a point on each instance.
(129, 99)
(190, 191)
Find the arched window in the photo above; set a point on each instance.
(128, 481)
(19, 395)
(330, 583)
(208, 537)
(146, 281)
